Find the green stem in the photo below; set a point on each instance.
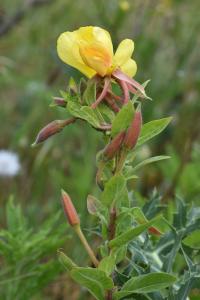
(87, 247)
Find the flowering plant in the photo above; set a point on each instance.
(128, 263)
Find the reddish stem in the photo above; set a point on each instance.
(103, 93)
(125, 90)
(112, 104)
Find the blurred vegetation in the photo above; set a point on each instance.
(167, 42)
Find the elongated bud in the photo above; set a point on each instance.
(113, 147)
(154, 231)
(58, 101)
(51, 129)
(69, 209)
(93, 205)
(66, 261)
(133, 131)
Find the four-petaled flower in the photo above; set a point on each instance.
(89, 49)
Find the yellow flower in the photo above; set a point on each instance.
(89, 49)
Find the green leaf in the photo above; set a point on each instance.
(93, 205)
(107, 113)
(107, 264)
(121, 253)
(95, 280)
(90, 116)
(149, 161)
(137, 95)
(151, 129)
(66, 261)
(145, 284)
(138, 215)
(122, 119)
(83, 112)
(193, 240)
(132, 233)
(113, 191)
(89, 95)
(72, 85)
(14, 217)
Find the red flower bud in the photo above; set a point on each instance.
(154, 231)
(51, 129)
(113, 147)
(58, 101)
(133, 131)
(69, 209)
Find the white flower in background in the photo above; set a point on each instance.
(9, 163)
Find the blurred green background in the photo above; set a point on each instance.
(167, 43)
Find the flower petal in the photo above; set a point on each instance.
(124, 52)
(68, 51)
(95, 47)
(104, 38)
(129, 68)
(89, 35)
(96, 57)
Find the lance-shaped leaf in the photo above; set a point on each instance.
(95, 280)
(123, 119)
(113, 191)
(140, 218)
(146, 162)
(193, 240)
(89, 95)
(84, 112)
(107, 264)
(151, 129)
(145, 284)
(94, 206)
(132, 233)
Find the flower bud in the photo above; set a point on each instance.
(133, 131)
(51, 129)
(58, 101)
(113, 147)
(69, 209)
(154, 231)
(66, 261)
